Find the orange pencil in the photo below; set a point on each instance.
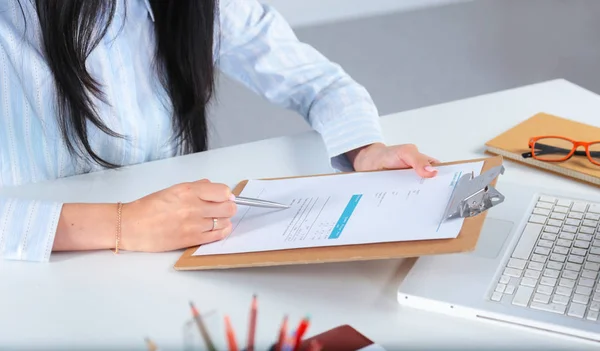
(282, 333)
(252, 329)
(230, 335)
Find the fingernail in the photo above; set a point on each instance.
(430, 169)
(232, 197)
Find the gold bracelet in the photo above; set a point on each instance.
(118, 235)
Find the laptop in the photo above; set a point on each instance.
(536, 265)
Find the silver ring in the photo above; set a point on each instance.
(214, 223)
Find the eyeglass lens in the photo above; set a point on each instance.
(552, 149)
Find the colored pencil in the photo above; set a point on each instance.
(300, 332)
(202, 328)
(252, 329)
(282, 333)
(230, 335)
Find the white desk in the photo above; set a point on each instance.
(101, 300)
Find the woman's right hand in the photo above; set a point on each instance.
(178, 217)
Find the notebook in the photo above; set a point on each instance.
(342, 338)
(514, 142)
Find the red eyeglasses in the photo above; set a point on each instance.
(552, 148)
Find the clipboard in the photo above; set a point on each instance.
(471, 199)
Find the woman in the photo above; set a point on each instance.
(94, 84)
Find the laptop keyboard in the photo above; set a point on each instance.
(556, 263)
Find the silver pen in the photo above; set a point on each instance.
(246, 201)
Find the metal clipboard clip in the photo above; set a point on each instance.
(474, 195)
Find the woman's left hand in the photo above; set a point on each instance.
(378, 156)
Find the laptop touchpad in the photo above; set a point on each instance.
(492, 238)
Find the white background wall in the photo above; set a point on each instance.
(309, 12)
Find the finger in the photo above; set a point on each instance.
(213, 192)
(215, 235)
(421, 163)
(217, 209)
(206, 224)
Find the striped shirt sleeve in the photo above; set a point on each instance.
(259, 49)
(27, 229)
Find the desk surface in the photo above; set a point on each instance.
(101, 300)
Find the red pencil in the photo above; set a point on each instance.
(252, 329)
(282, 333)
(300, 333)
(230, 335)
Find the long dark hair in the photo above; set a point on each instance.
(71, 29)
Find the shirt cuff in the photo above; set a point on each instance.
(348, 133)
(28, 228)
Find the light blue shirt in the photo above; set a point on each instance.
(256, 47)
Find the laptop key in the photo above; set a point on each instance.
(575, 267)
(579, 207)
(542, 298)
(548, 281)
(560, 299)
(537, 219)
(589, 274)
(543, 289)
(582, 299)
(554, 265)
(522, 296)
(516, 263)
(530, 273)
(564, 291)
(528, 282)
(536, 266)
(593, 258)
(564, 202)
(512, 272)
(561, 251)
(581, 244)
(496, 296)
(549, 236)
(541, 212)
(570, 275)
(592, 216)
(579, 252)
(587, 282)
(583, 290)
(576, 215)
(560, 209)
(567, 236)
(527, 241)
(576, 310)
(510, 289)
(592, 316)
(594, 208)
(552, 307)
(592, 266)
(595, 306)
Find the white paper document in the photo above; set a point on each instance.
(345, 209)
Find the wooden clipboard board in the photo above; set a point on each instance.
(464, 242)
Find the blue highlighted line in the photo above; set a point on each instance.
(341, 223)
